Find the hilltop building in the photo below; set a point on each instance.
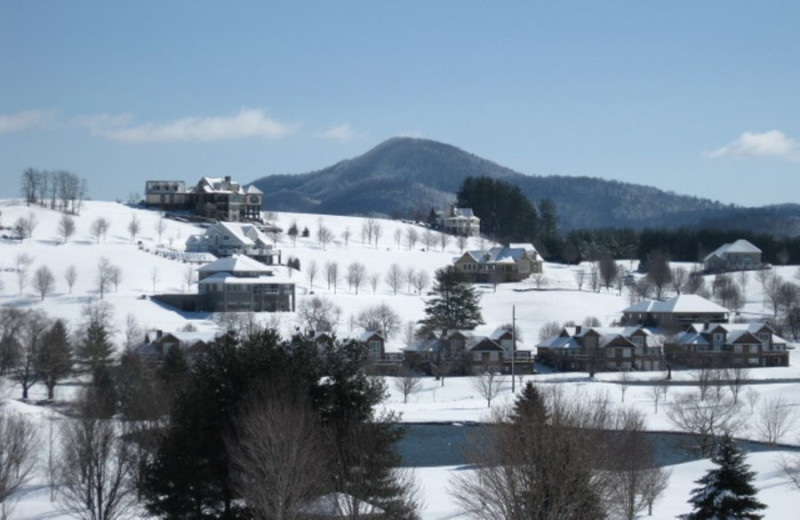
(458, 221)
(219, 198)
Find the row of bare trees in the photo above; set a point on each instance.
(60, 190)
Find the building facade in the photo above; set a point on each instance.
(218, 198)
(727, 345)
(511, 263)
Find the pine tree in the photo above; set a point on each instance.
(726, 491)
(456, 304)
(96, 349)
(54, 358)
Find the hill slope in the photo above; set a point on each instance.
(404, 174)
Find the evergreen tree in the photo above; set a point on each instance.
(456, 304)
(96, 349)
(54, 358)
(726, 491)
(506, 214)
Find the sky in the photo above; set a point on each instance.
(699, 98)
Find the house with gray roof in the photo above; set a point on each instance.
(727, 345)
(594, 349)
(219, 198)
(511, 263)
(676, 312)
(737, 256)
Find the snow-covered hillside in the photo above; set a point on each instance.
(145, 273)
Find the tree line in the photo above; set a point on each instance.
(59, 189)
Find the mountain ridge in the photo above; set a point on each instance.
(406, 175)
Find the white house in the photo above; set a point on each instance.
(234, 238)
(738, 256)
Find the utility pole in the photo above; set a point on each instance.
(513, 347)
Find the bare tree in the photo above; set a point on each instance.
(772, 293)
(624, 383)
(407, 383)
(548, 330)
(24, 226)
(411, 237)
(31, 335)
(116, 276)
(325, 236)
(380, 318)
(743, 279)
(346, 234)
(332, 275)
(488, 385)
(608, 270)
(394, 277)
(461, 242)
(356, 273)
(367, 230)
(658, 271)
(763, 276)
(736, 376)
(188, 277)
(318, 314)
(539, 280)
(752, 397)
(421, 281)
(29, 186)
(18, 454)
(95, 469)
(104, 275)
(410, 275)
(311, 272)
(274, 472)
(43, 281)
(22, 262)
(775, 418)
(160, 227)
(654, 483)
(594, 277)
(374, 280)
(790, 466)
(444, 240)
(66, 227)
(429, 239)
(99, 228)
(679, 277)
(398, 237)
(376, 233)
(133, 227)
(706, 419)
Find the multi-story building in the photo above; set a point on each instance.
(511, 263)
(727, 344)
(214, 197)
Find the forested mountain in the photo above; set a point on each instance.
(405, 176)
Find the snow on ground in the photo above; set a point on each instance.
(455, 400)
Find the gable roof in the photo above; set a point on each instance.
(740, 246)
(235, 263)
(683, 303)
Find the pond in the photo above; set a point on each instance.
(443, 444)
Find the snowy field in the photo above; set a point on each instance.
(145, 273)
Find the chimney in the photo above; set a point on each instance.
(577, 329)
(159, 333)
(228, 179)
(705, 325)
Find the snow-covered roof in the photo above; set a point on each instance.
(234, 264)
(226, 277)
(740, 246)
(683, 303)
(253, 190)
(498, 255)
(735, 330)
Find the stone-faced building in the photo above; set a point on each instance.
(214, 197)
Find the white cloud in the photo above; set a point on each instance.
(25, 120)
(248, 122)
(772, 143)
(343, 132)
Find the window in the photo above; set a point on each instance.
(626, 353)
(375, 349)
(718, 339)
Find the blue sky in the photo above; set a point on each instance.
(701, 98)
